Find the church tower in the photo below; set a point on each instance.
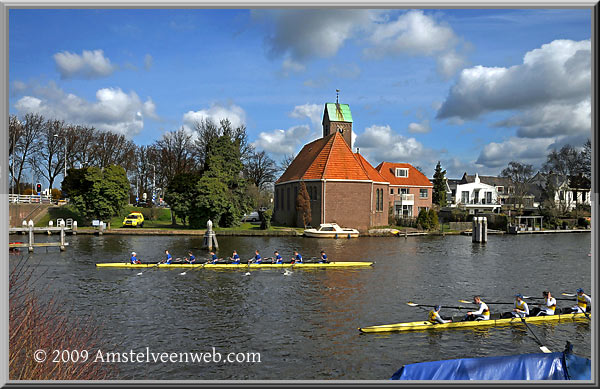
(337, 117)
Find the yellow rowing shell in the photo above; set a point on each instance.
(126, 265)
(426, 325)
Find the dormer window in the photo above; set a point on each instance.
(401, 172)
(500, 189)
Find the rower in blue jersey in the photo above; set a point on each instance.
(169, 259)
(323, 258)
(213, 258)
(235, 258)
(134, 259)
(297, 257)
(192, 258)
(257, 258)
(278, 259)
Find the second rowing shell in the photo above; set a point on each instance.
(126, 265)
(426, 325)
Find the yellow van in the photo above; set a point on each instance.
(134, 219)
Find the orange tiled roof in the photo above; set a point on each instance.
(415, 177)
(325, 158)
(373, 174)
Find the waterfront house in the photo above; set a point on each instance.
(510, 195)
(568, 192)
(410, 191)
(474, 195)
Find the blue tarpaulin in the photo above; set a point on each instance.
(539, 366)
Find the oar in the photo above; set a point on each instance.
(569, 294)
(152, 267)
(411, 304)
(196, 268)
(542, 347)
(541, 298)
(471, 302)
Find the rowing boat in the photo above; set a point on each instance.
(457, 322)
(237, 266)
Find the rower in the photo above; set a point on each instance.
(192, 258)
(213, 258)
(323, 258)
(278, 259)
(297, 258)
(546, 308)
(257, 258)
(483, 313)
(169, 259)
(434, 316)
(521, 308)
(235, 258)
(134, 259)
(583, 300)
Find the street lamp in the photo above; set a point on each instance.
(153, 180)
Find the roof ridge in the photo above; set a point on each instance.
(360, 159)
(315, 156)
(333, 136)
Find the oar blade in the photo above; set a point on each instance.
(464, 301)
(545, 349)
(569, 294)
(412, 304)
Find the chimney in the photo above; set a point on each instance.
(357, 150)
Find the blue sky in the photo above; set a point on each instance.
(474, 89)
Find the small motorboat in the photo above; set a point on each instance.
(331, 230)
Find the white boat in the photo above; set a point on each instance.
(331, 230)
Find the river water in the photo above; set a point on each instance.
(305, 326)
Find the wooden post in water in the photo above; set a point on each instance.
(479, 234)
(50, 224)
(74, 229)
(31, 236)
(62, 237)
(210, 238)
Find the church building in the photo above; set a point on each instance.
(343, 187)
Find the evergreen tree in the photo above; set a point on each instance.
(439, 186)
(303, 205)
(423, 219)
(179, 194)
(433, 219)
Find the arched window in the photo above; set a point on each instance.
(377, 202)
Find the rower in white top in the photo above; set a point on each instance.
(583, 301)
(546, 308)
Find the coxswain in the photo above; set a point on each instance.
(483, 313)
(278, 259)
(235, 258)
(546, 308)
(297, 258)
(191, 259)
(323, 258)
(583, 301)
(435, 317)
(134, 259)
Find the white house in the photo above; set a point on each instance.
(568, 192)
(476, 196)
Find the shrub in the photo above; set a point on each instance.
(56, 194)
(423, 219)
(433, 219)
(582, 222)
(265, 219)
(29, 191)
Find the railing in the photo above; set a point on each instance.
(29, 199)
(407, 197)
(479, 202)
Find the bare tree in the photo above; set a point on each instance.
(207, 130)
(49, 160)
(286, 162)
(26, 145)
(175, 154)
(15, 132)
(110, 148)
(520, 175)
(586, 157)
(260, 169)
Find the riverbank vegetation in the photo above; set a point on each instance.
(38, 322)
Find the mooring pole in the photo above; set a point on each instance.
(62, 237)
(31, 236)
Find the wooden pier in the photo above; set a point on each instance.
(31, 230)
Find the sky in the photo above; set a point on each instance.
(473, 89)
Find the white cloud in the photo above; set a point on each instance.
(90, 64)
(421, 128)
(381, 144)
(312, 33)
(415, 33)
(558, 72)
(530, 151)
(312, 111)
(216, 112)
(148, 60)
(283, 142)
(113, 110)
